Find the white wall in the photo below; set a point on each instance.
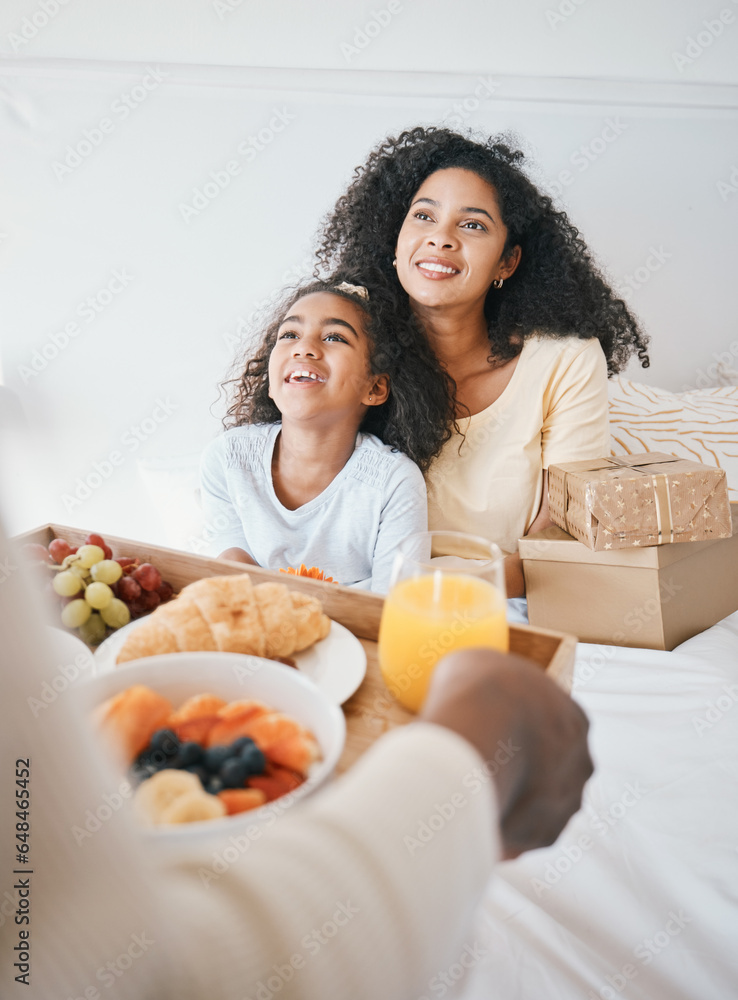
(638, 145)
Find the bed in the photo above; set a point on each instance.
(639, 896)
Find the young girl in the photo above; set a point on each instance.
(332, 422)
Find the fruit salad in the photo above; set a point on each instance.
(208, 758)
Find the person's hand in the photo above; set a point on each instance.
(514, 577)
(495, 699)
(237, 555)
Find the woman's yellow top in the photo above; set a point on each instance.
(554, 409)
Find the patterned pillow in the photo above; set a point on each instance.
(701, 424)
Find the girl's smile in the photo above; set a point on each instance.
(320, 365)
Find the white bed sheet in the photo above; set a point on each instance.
(638, 899)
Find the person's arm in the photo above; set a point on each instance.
(514, 578)
(307, 903)
(237, 555)
(223, 524)
(477, 693)
(575, 427)
(405, 512)
(576, 424)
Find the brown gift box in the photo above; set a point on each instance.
(639, 500)
(655, 597)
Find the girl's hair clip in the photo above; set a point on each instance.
(353, 290)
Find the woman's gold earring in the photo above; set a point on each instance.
(370, 397)
(394, 262)
(497, 283)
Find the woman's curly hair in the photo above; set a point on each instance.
(417, 416)
(556, 290)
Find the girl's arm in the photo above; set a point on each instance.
(405, 512)
(223, 531)
(237, 555)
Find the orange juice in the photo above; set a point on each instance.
(425, 617)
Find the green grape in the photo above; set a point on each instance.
(88, 555)
(67, 584)
(115, 614)
(75, 613)
(98, 595)
(81, 572)
(107, 571)
(93, 630)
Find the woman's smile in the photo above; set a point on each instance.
(437, 268)
(451, 244)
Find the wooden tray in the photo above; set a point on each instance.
(372, 710)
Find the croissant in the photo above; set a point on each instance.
(229, 614)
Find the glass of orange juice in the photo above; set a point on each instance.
(447, 592)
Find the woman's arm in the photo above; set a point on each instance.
(514, 578)
(575, 427)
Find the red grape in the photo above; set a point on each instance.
(128, 589)
(127, 563)
(108, 551)
(148, 600)
(59, 550)
(74, 550)
(165, 591)
(93, 539)
(148, 576)
(39, 553)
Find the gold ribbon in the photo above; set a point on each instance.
(662, 497)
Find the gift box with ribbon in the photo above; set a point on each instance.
(639, 500)
(654, 597)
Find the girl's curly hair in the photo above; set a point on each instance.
(557, 289)
(418, 415)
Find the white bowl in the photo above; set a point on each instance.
(69, 650)
(234, 676)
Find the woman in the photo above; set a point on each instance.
(515, 310)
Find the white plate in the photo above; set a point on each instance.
(336, 664)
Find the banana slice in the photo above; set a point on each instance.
(154, 796)
(193, 807)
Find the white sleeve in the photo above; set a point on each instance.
(223, 523)
(365, 891)
(405, 512)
